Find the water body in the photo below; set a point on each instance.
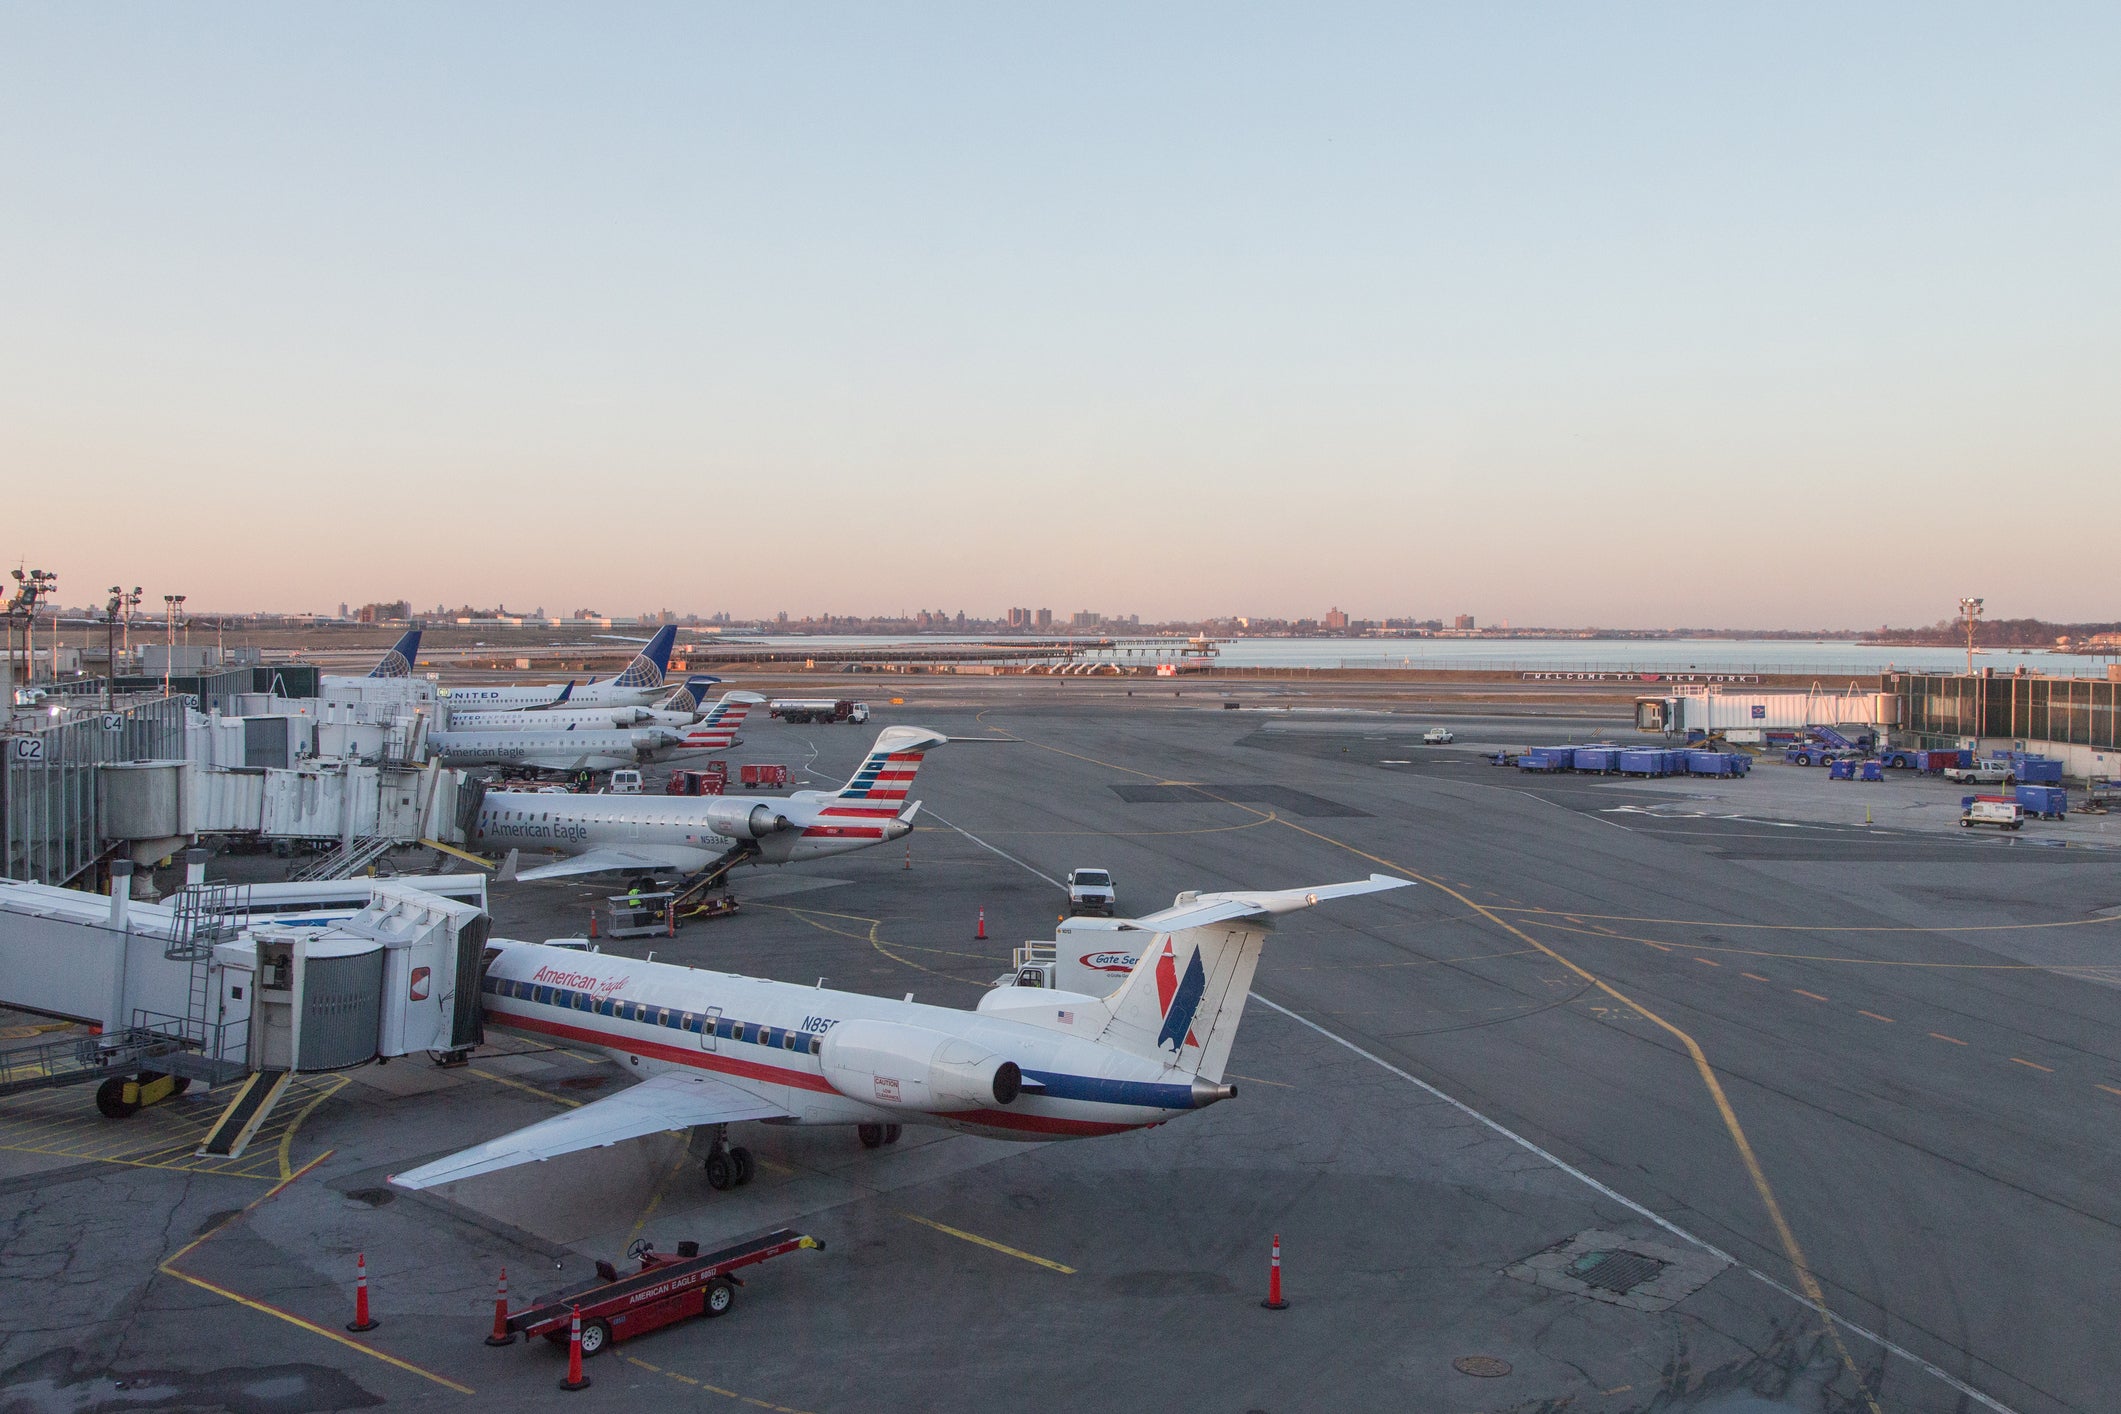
(1829, 659)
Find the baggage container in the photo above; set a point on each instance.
(2039, 770)
(2047, 802)
(1716, 763)
(1548, 758)
(1645, 761)
(1600, 759)
(1841, 770)
(1873, 771)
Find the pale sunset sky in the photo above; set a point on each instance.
(1769, 315)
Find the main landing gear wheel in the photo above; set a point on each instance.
(891, 1133)
(721, 1171)
(595, 1336)
(746, 1166)
(718, 1298)
(871, 1135)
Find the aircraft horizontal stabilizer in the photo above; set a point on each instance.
(595, 861)
(1195, 910)
(670, 1101)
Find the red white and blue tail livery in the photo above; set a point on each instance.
(716, 731)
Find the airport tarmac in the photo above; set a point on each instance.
(1794, 1065)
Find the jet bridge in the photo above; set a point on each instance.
(224, 982)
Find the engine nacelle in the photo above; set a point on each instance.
(912, 1068)
(744, 820)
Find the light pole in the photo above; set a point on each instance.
(30, 586)
(170, 604)
(132, 602)
(1971, 608)
(111, 613)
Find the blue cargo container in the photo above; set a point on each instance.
(1874, 770)
(2040, 770)
(1936, 761)
(1716, 763)
(1548, 758)
(1601, 759)
(1842, 770)
(2047, 802)
(1645, 761)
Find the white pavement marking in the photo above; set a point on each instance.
(1634, 1207)
(1002, 852)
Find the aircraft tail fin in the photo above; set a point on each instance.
(398, 660)
(718, 728)
(886, 773)
(1186, 995)
(649, 665)
(691, 697)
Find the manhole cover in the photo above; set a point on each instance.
(1485, 1367)
(583, 1082)
(1615, 1271)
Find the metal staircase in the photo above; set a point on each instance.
(213, 1050)
(347, 860)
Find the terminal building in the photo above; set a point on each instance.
(2071, 719)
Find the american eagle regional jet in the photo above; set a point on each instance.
(1028, 1063)
(635, 833)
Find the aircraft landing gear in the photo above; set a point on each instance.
(876, 1136)
(728, 1167)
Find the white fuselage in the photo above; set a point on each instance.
(554, 720)
(523, 699)
(550, 750)
(765, 1037)
(681, 831)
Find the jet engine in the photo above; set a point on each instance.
(744, 820)
(913, 1068)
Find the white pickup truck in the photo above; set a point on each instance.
(1437, 736)
(1091, 891)
(1982, 773)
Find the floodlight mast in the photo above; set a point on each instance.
(1971, 609)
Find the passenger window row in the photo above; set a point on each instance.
(755, 1033)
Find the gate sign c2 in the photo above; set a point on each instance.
(1759, 711)
(29, 748)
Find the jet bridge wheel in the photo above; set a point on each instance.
(111, 1101)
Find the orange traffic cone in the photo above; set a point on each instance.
(361, 1321)
(1274, 1301)
(575, 1378)
(501, 1334)
(982, 933)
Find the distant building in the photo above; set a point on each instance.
(1086, 618)
(1045, 620)
(1463, 623)
(1336, 619)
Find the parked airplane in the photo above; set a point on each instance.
(637, 833)
(567, 749)
(1028, 1063)
(398, 659)
(635, 687)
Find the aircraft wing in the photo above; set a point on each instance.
(1200, 910)
(669, 1101)
(610, 860)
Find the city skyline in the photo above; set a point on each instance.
(1603, 318)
